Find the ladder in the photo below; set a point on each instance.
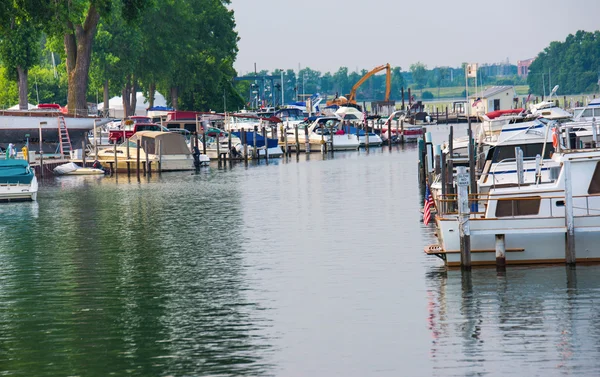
(63, 137)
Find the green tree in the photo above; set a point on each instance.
(19, 48)
(419, 74)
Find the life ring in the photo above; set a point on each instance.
(555, 138)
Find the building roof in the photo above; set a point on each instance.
(492, 91)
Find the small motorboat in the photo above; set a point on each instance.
(17, 181)
(71, 168)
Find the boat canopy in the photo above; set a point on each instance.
(172, 143)
(15, 171)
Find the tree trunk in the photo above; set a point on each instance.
(174, 97)
(23, 100)
(78, 48)
(125, 97)
(151, 91)
(106, 100)
(133, 93)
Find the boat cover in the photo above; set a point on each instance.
(15, 171)
(260, 140)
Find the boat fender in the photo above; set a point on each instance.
(555, 138)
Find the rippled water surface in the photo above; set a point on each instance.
(299, 268)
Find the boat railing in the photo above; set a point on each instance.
(447, 204)
(549, 206)
(506, 161)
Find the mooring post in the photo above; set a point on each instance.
(306, 140)
(367, 134)
(82, 152)
(204, 141)
(402, 139)
(389, 133)
(443, 182)
(146, 166)
(285, 142)
(570, 256)
(500, 251)
(115, 155)
(128, 158)
(254, 150)
(472, 175)
(229, 146)
(264, 133)
(594, 132)
(437, 153)
(139, 147)
(95, 140)
(159, 157)
(297, 139)
(463, 217)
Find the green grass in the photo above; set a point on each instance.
(457, 91)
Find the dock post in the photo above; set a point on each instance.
(437, 155)
(367, 135)
(254, 151)
(500, 252)
(95, 140)
(115, 155)
(264, 134)
(397, 128)
(218, 142)
(443, 182)
(41, 150)
(389, 132)
(473, 177)
(128, 157)
(402, 131)
(203, 141)
(422, 169)
(139, 145)
(570, 257)
(323, 146)
(83, 152)
(297, 139)
(245, 143)
(146, 154)
(229, 146)
(464, 228)
(306, 140)
(159, 157)
(446, 114)
(285, 143)
(594, 132)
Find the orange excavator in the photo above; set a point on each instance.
(350, 100)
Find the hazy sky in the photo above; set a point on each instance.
(327, 34)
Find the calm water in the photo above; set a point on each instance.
(299, 268)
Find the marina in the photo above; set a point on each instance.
(292, 268)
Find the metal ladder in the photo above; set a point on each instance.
(63, 137)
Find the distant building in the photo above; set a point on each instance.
(523, 67)
(492, 99)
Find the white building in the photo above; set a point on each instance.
(492, 99)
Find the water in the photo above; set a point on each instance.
(293, 269)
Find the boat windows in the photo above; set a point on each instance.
(504, 152)
(148, 144)
(595, 183)
(524, 206)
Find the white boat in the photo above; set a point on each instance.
(532, 217)
(71, 168)
(17, 181)
(353, 122)
(323, 130)
(18, 126)
(167, 148)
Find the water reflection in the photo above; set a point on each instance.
(116, 278)
(528, 319)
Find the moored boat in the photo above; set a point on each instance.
(17, 181)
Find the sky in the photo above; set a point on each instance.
(362, 34)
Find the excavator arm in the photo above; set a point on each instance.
(352, 96)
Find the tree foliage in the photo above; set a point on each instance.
(574, 65)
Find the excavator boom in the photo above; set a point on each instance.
(351, 99)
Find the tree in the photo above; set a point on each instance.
(76, 22)
(19, 48)
(419, 74)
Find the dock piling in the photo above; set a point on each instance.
(463, 217)
(570, 256)
(139, 147)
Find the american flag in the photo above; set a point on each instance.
(427, 206)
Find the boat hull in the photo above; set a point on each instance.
(19, 192)
(19, 130)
